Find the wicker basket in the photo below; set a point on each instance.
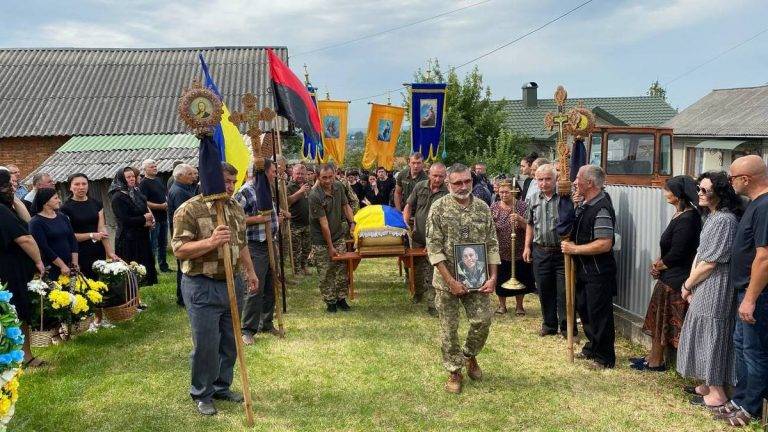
(42, 338)
(81, 326)
(127, 310)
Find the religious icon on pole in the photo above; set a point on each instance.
(200, 109)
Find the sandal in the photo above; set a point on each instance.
(646, 368)
(740, 418)
(725, 410)
(699, 400)
(501, 311)
(519, 312)
(691, 390)
(34, 362)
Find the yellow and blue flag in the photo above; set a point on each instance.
(227, 137)
(378, 216)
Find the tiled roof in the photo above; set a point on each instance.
(73, 91)
(100, 157)
(631, 110)
(736, 112)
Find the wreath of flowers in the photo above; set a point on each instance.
(11, 356)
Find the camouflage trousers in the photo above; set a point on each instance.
(302, 245)
(478, 309)
(333, 274)
(423, 280)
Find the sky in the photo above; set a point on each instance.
(606, 48)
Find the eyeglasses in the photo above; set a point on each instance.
(733, 177)
(703, 191)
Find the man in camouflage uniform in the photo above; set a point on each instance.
(457, 219)
(328, 207)
(408, 178)
(353, 202)
(298, 190)
(424, 194)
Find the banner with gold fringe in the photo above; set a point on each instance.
(383, 132)
(333, 118)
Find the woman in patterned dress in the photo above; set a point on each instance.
(505, 216)
(706, 352)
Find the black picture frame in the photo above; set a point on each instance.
(471, 271)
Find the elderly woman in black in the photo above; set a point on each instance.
(678, 243)
(134, 220)
(54, 235)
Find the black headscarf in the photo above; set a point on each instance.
(42, 196)
(119, 184)
(684, 188)
(6, 189)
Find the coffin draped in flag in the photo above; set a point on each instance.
(383, 132)
(427, 112)
(227, 137)
(294, 102)
(333, 116)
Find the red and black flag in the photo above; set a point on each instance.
(293, 102)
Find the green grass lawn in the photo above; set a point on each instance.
(375, 368)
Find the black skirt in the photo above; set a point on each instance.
(523, 273)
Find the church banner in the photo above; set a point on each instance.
(383, 131)
(333, 117)
(427, 112)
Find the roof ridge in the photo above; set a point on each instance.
(741, 88)
(571, 99)
(142, 48)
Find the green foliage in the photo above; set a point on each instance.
(502, 154)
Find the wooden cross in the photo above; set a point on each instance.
(251, 116)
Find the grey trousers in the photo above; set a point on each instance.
(213, 339)
(259, 308)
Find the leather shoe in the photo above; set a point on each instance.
(229, 396)
(432, 312)
(331, 307)
(454, 383)
(205, 408)
(582, 356)
(473, 369)
(342, 304)
(544, 332)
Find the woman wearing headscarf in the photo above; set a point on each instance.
(87, 218)
(53, 233)
(678, 243)
(134, 220)
(706, 350)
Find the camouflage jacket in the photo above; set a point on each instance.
(450, 224)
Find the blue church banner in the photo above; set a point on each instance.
(427, 112)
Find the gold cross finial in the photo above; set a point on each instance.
(250, 116)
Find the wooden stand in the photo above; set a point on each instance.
(234, 311)
(352, 259)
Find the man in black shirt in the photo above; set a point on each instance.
(353, 177)
(154, 190)
(749, 275)
(385, 184)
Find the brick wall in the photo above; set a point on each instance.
(28, 153)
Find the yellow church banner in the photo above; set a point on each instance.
(333, 116)
(383, 131)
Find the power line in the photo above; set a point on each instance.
(498, 48)
(695, 68)
(358, 39)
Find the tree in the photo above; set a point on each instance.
(657, 90)
(501, 154)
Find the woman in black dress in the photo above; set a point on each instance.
(667, 308)
(134, 220)
(19, 260)
(87, 218)
(53, 234)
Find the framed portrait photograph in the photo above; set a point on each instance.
(471, 265)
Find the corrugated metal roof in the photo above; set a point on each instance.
(630, 110)
(100, 157)
(66, 92)
(726, 113)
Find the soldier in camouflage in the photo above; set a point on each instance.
(455, 219)
(298, 191)
(328, 207)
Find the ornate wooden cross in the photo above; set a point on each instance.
(251, 116)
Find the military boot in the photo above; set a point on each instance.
(454, 383)
(473, 369)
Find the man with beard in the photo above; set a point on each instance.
(423, 196)
(457, 219)
(471, 269)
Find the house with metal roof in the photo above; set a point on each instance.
(526, 115)
(720, 127)
(92, 109)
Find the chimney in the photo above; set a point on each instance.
(529, 95)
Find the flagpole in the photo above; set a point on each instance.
(273, 267)
(275, 144)
(235, 313)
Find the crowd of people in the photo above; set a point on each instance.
(709, 302)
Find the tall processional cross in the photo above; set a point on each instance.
(250, 116)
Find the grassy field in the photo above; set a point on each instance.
(374, 368)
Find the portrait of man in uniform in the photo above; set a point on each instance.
(470, 268)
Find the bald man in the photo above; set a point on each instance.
(749, 275)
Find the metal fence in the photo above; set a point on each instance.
(642, 214)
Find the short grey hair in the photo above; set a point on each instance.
(547, 167)
(437, 165)
(147, 162)
(540, 161)
(457, 168)
(38, 178)
(595, 174)
(181, 169)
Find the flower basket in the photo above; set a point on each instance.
(130, 302)
(42, 338)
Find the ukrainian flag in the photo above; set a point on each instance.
(227, 137)
(378, 216)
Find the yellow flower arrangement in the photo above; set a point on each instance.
(59, 299)
(5, 404)
(79, 305)
(12, 388)
(94, 296)
(99, 286)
